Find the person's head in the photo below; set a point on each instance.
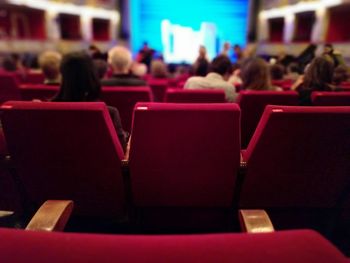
(202, 52)
(120, 59)
(222, 66)
(237, 48)
(227, 46)
(9, 64)
(328, 48)
(319, 74)
(341, 74)
(101, 67)
(139, 69)
(293, 68)
(201, 67)
(276, 71)
(50, 62)
(255, 74)
(79, 78)
(159, 69)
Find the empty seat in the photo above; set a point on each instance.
(66, 151)
(252, 105)
(298, 160)
(38, 91)
(192, 96)
(124, 99)
(330, 98)
(9, 83)
(184, 155)
(303, 246)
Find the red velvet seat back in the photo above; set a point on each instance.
(9, 87)
(252, 105)
(298, 157)
(34, 78)
(193, 96)
(184, 155)
(38, 91)
(124, 99)
(66, 151)
(159, 88)
(330, 98)
(287, 246)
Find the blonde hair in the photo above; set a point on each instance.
(50, 62)
(120, 58)
(159, 69)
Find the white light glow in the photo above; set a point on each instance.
(297, 8)
(68, 8)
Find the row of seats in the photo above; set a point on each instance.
(252, 103)
(183, 159)
(288, 246)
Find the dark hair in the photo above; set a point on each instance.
(341, 74)
(9, 64)
(277, 71)
(79, 78)
(294, 67)
(319, 74)
(201, 67)
(221, 65)
(255, 74)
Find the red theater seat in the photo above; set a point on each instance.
(66, 151)
(124, 99)
(298, 160)
(184, 155)
(330, 98)
(159, 88)
(38, 91)
(34, 78)
(287, 246)
(285, 84)
(193, 96)
(9, 87)
(252, 105)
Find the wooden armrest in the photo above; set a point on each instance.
(255, 221)
(125, 161)
(51, 216)
(6, 213)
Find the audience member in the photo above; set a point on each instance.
(256, 75)
(159, 69)
(220, 71)
(235, 78)
(139, 69)
(145, 55)
(101, 68)
(318, 77)
(293, 71)
(8, 64)
(201, 65)
(120, 60)
(238, 53)
(341, 74)
(80, 83)
(334, 55)
(50, 62)
(277, 72)
(226, 49)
